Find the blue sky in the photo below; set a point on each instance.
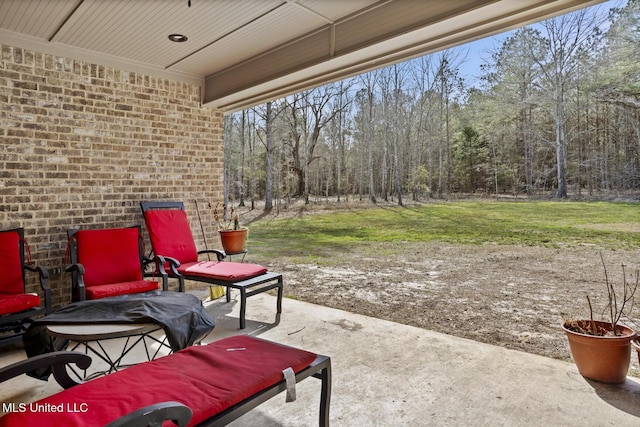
(479, 51)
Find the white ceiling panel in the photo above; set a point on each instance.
(138, 30)
(252, 40)
(36, 18)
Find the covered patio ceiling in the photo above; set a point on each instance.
(245, 52)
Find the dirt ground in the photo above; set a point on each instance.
(511, 296)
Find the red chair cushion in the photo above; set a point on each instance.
(10, 303)
(103, 291)
(109, 255)
(11, 281)
(170, 234)
(230, 271)
(208, 379)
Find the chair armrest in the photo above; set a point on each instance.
(56, 360)
(78, 269)
(159, 262)
(173, 265)
(155, 415)
(43, 274)
(219, 254)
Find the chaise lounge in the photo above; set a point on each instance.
(217, 382)
(171, 238)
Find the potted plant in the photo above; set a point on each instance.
(601, 349)
(232, 236)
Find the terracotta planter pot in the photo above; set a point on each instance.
(233, 241)
(600, 358)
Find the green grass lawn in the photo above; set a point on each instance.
(603, 224)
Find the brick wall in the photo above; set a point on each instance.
(82, 144)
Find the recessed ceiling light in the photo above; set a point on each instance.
(178, 38)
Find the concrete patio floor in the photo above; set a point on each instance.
(387, 374)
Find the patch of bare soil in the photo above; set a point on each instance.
(511, 296)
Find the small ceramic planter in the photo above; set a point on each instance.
(601, 358)
(233, 241)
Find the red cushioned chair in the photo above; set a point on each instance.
(17, 307)
(171, 238)
(110, 262)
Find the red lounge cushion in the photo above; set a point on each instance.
(170, 234)
(10, 303)
(208, 379)
(11, 277)
(109, 255)
(231, 271)
(103, 291)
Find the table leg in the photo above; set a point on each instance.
(280, 291)
(243, 307)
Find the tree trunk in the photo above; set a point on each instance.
(268, 193)
(561, 144)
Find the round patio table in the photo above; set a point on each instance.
(93, 337)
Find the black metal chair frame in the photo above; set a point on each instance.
(77, 270)
(18, 322)
(154, 415)
(247, 287)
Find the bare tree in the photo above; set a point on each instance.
(368, 81)
(566, 39)
(397, 83)
(323, 110)
(512, 83)
(268, 192)
(448, 84)
(296, 108)
(337, 137)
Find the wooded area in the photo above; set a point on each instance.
(557, 111)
